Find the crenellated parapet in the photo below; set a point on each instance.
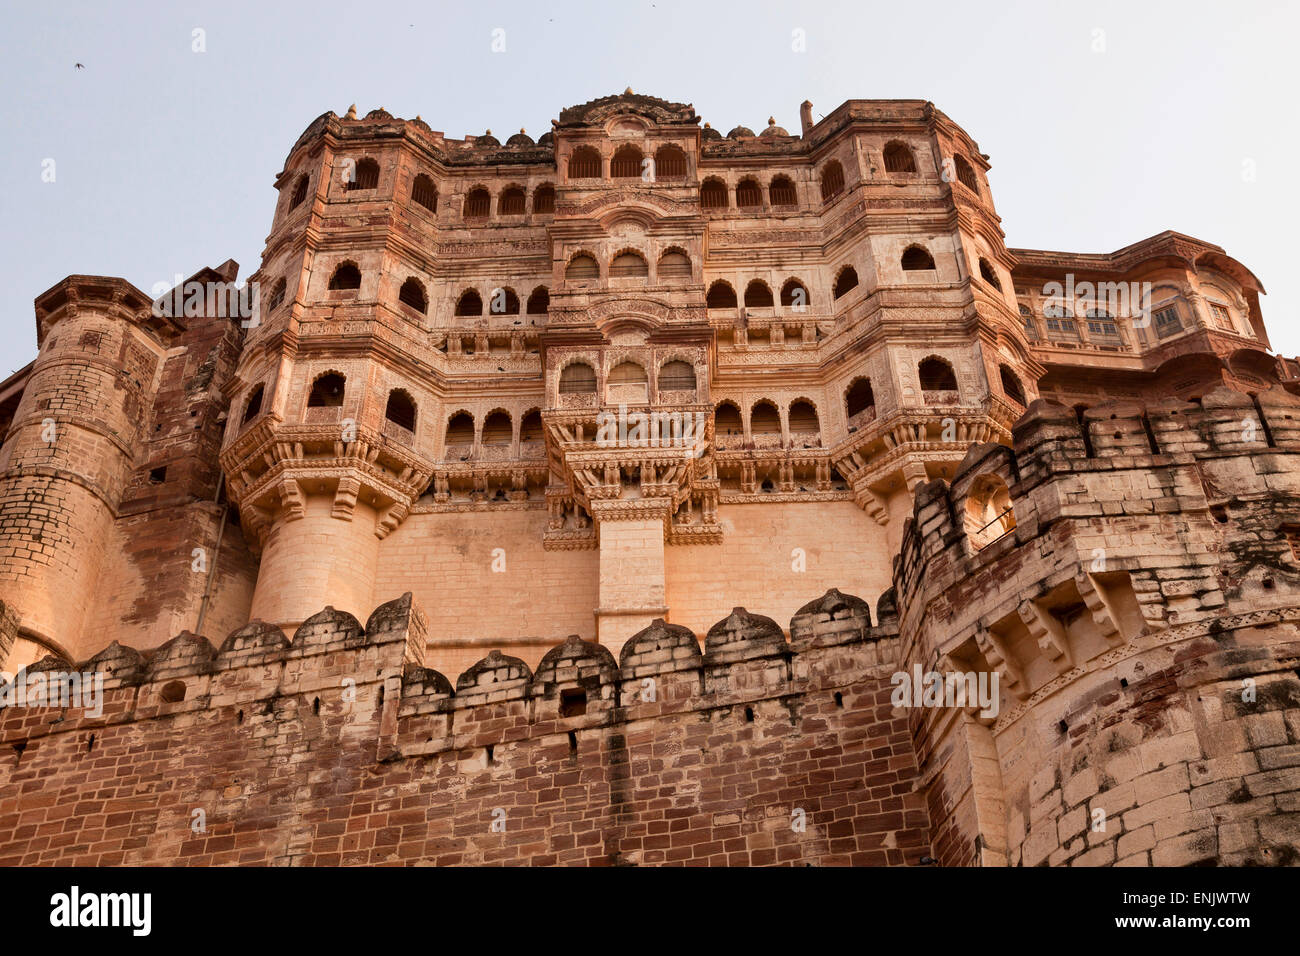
(1106, 570)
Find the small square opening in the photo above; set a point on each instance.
(573, 703)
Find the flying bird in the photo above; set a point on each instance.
(80, 66)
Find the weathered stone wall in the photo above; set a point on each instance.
(340, 748)
(1142, 618)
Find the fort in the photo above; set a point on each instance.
(915, 458)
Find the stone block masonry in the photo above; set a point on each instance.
(340, 748)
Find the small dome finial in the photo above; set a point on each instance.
(488, 133)
(352, 112)
(524, 131)
(771, 121)
(628, 91)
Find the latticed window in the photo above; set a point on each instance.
(676, 376)
(478, 204)
(782, 192)
(1167, 322)
(366, 175)
(424, 192)
(583, 267)
(1062, 326)
(578, 377)
(626, 163)
(1027, 319)
(713, 195)
(832, 180)
(299, 192)
(584, 163)
(898, 159)
(670, 163)
(628, 265)
(674, 265)
(1222, 317)
(965, 175)
(1100, 323)
(748, 194)
(544, 200)
(512, 202)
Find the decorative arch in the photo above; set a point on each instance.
(629, 264)
(859, 397)
(965, 174)
(674, 264)
(916, 258)
(846, 281)
(539, 302)
(425, 192)
(758, 295)
(530, 426)
(1011, 386)
(764, 418)
(576, 377)
(346, 276)
(749, 195)
(327, 390)
(936, 374)
(512, 202)
(503, 301)
(721, 295)
(802, 416)
(544, 200)
(781, 193)
(727, 419)
(253, 407)
(412, 294)
(400, 409)
(898, 158)
(582, 268)
(676, 375)
(832, 180)
(713, 194)
(460, 429)
(478, 203)
(627, 162)
(365, 176)
(498, 428)
(670, 162)
(584, 163)
(299, 192)
(469, 303)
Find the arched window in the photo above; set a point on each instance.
(584, 163)
(748, 194)
(424, 192)
(721, 296)
(366, 175)
(988, 275)
(172, 692)
(764, 419)
(299, 192)
(916, 259)
(539, 303)
(1027, 318)
(544, 200)
(577, 377)
(1011, 386)
(859, 397)
(400, 409)
(460, 429)
(898, 158)
(670, 163)
(676, 376)
(832, 180)
(713, 194)
(412, 294)
(469, 303)
(965, 175)
(346, 276)
(989, 513)
(503, 301)
(782, 192)
(511, 202)
(327, 391)
(726, 420)
(478, 204)
(936, 376)
(846, 281)
(498, 429)
(253, 407)
(530, 429)
(627, 382)
(794, 295)
(626, 163)
(758, 295)
(628, 265)
(277, 297)
(581, 267)
(803, 417)
(674, 265)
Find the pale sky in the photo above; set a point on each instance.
(1105, 123)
